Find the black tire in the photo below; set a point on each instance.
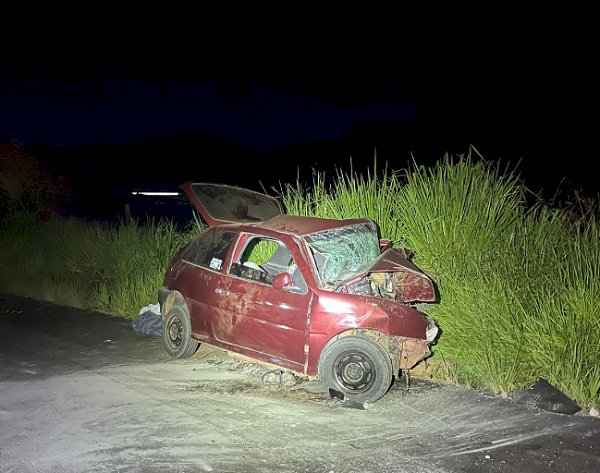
(177, 334)
(358, 367)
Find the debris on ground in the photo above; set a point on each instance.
(278, 378)
(149, 322)
(545, 396)
(338, 398)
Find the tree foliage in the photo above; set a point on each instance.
(27, 188)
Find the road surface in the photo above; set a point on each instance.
(82, 392)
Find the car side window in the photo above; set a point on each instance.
(264, 258)
(209, 249)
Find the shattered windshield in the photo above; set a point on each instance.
(341, 253)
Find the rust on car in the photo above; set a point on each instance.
(321, 297)
(412, 351)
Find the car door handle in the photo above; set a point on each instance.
(221, 292)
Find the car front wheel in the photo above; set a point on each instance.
(177, 334)
(358, 367)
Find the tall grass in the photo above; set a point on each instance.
(564, 318)
(518, 282)
(351, 195)
(115, 269)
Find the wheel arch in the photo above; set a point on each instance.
(174, 299)
(379, 337)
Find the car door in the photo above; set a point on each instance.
(267, 323)
(201, 275)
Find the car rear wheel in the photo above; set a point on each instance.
(177, 334)
(358, 367)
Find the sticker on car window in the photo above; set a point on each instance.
(216, 263)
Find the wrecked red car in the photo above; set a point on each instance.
(319, 297)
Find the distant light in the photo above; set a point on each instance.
(153, 193)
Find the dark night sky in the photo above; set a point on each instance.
(160, 122)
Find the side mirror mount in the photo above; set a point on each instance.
(282, 280)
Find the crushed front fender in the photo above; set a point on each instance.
(409, 352)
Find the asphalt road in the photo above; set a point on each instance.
(82, 392)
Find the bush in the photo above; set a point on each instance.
(29, 192)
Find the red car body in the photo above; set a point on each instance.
(315, 289)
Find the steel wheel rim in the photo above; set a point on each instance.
(175, 332)
(354, 371)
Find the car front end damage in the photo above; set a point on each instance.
(351, 260)
(398, 282)
(395, 278)
(406, 353)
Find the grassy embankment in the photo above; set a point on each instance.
(519, 284)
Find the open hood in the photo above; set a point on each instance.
(222, 204)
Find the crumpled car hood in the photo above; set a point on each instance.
(393, 259)
(393, 276)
